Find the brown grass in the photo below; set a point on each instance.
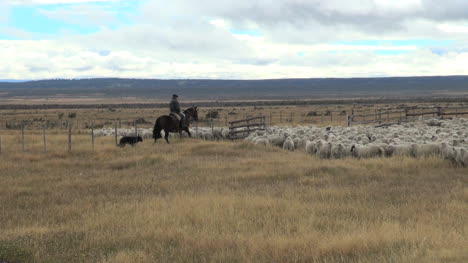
(275, 115)
(197, 201)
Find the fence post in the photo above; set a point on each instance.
(136, 128)
(380, 116)
(348, 121)
(331, 116)
(212, 127)
(44, 136)
(92, 135)
(439, 112)
(271, 117)
(22, 136)
(115, 133)
(69, 136)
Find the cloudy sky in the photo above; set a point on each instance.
(243, 39)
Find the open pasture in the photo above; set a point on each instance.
(319, 115)
(203, 201)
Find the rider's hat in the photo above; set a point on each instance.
(175, 96)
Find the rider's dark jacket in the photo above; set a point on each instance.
(174, 106)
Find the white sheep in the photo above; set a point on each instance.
(425, 150)
(398, 150)
(288, 144)
(367, 151)
(261, 141)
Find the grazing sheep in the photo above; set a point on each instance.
(398, 150)
(367, 151)
(324, 149)
(338, 151)
(261, 141)
(461, 156)
(425, 150)
(310, 147)
(447, 152)
(276, 140)
(288, 144)
(418, 139)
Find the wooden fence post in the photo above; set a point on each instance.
(136, 128)
(22, 136)
(348, 123)
(92, 135)
(115, 133)
(380, 116)
(44, 136)
(439, 112)
(212, 127)
(69, 136)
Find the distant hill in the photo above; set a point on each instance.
(396, 87)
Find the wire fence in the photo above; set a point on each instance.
(388, 116)
(39, 132)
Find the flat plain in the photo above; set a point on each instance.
(203, 201)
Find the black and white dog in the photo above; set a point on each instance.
(132, 140)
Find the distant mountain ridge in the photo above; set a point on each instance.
(392, 87)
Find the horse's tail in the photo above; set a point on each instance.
(157, 129)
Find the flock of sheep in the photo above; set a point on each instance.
(445, 138)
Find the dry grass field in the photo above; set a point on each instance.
(319, 115)
(199, 201)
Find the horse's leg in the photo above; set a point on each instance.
(187, 130)
(166, 136)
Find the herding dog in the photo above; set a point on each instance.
(132, 140)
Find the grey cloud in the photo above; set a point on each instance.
(338, 17)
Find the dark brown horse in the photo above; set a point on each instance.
(169, 124)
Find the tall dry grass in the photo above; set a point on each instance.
(198, 201)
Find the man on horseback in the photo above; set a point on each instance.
(174, 107)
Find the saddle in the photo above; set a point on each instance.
(178, 118)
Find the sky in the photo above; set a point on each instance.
(222, 39)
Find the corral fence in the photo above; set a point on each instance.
(36, 135)
(242, 128)
(389, 116)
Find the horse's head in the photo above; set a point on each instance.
(193, 112)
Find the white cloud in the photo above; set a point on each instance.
(54, 59)
(48, 2)
(194, 39)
